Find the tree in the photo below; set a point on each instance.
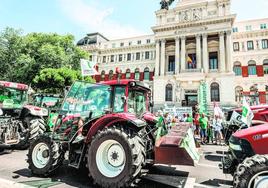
(11, 45)
(55, 80)
(23, 57)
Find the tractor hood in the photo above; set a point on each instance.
(253, 133)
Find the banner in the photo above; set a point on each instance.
(247, 114)
(88, 68)
(203, 103)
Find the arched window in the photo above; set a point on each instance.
(169, 92)
(146, 74)
(237, 68)
(128, 74)
(252, 68)
(137, 74)
(102, 75)
(215, 92)
(265, 66)
(111, 75)
(238, 94)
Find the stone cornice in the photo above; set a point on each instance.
(250, 34)
(125, 49)
(176, 26)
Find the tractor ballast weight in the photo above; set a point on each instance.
(109, 127)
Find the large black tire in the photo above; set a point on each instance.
(134, 149)
(37, 126)
(248, 169)
(53, 155)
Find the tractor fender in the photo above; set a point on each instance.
(113, 119)
(33, 111)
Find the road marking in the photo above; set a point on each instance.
(8, 183)
(197, 185)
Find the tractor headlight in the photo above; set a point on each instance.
(235, 147)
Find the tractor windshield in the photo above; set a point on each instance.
(12, 98)
(84, 98)
(136, 102)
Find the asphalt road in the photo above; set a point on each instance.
(206, 173)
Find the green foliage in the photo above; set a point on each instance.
(55, 80)
(22, 58)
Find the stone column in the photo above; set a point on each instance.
(177, 55)
(163, 57)
(183, 52)
(222, 52)
(205, 52)
(229, 51)
(157, 58)
(198, 51)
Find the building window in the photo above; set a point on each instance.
(171, 64)
(139, 42)
(252, 68)
(137, 74)
(263, 26)
(265, 67)
(215, 92)
(236, 46)
(213, 61)
(148, 41)
(112, 58)
(235, 30)
(250, 45)
(102, 75)
(113, 45)
(104, 59)
(111, 75)
(128, 74)
(129, 57)
(238, 94)
(264, 44)
(237, 69)
(121, 44)
(120, 57)
(248, 28)
(146, 74)
(129, 43)
(147, 55)
(138, 56)
(169, 93)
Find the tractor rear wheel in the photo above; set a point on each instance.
(44, 156)
(253, 172)
(37, 127)
(115, 157)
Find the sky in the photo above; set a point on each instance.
(113, 18)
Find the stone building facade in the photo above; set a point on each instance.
(193, 45)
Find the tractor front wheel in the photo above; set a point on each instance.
(44, 156)
(115, 157)
(253, 172)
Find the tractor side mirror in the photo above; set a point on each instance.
(1, 112)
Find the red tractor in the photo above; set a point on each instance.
(108, 128)
(247, 158)
(19, 121)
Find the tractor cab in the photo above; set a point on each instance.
(13, 96)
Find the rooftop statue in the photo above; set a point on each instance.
(165, 4)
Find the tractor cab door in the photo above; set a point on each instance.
(83, 102)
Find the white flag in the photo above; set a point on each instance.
(247, 114)
(88, 68)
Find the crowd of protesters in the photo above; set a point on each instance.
(208, 129)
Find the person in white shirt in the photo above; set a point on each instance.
(217, 126)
